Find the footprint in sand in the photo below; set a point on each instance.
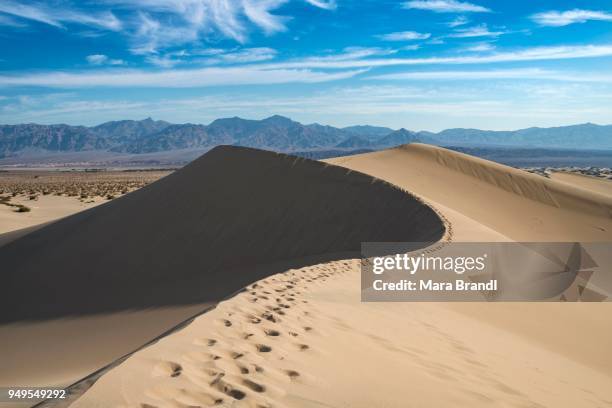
(262, 348)
(167, 368)
(236, 355)
(252, 385)
(226, 388)
(225, 322)
(292, 374)
(270, 332)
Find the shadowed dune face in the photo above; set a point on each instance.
(213, 227)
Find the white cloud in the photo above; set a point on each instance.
(258, 11)
(352, 53)
(404, 36)
(518, 73)
(324, 4)
(205, 52)
(477, 31)
(445, 6)
(155, 25)
(164, 61)
(480, 47)
(245, 55)
(161, 24)
(426, 105)
(164, 24)
(459, 21)
(212, 56)
(58, 17)
(563, 18)
(183, 78)
(430, 105)
(101, 59)
(525, 54)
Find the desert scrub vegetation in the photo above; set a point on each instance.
(6, 200)
(84, 186)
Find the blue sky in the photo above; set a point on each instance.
(420, 64)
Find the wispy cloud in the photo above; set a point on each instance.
(245, 55)
(563, 18)
(350, 54)
(445, 6)
(152, 26)
(481, 30)
(212, 56)
(59, 17)
(9, 21)
(480, 47)
(161, 24)
(525, 54)
(324, 4)
(101, 59)
(517, 73)
(428, 105)
(459, 21)
(178, 78)
(404, 36)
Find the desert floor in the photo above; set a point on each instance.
(51, 195)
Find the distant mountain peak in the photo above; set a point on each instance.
(278, 119)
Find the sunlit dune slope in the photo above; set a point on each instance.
(520, 205)
(485, 201)
(595, 184)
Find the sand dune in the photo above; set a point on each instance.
(532, 209)
(517, 204)
(98, 284)
(302, 338)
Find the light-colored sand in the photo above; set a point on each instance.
(597, 184)
(96, 285)
(44, 209)
(520, 205)
(327, 349)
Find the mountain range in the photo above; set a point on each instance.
(275, 133)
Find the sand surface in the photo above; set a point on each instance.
(179, 245)
(327, 349)
(302, 338)
(520, 205)
(43, 209)
(597, 184)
